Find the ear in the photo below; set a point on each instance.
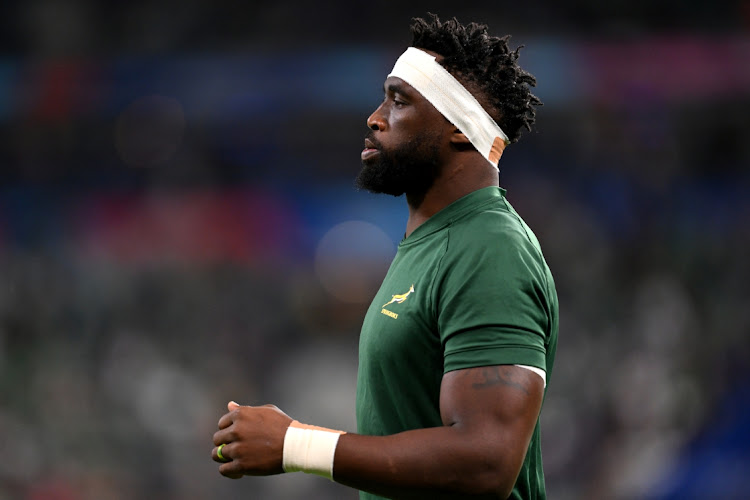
(458, 137)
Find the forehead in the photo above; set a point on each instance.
(396, 84)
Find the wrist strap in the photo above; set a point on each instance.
(310, 449)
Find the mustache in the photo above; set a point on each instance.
(371, 137)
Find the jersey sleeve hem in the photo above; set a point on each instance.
(488, 356)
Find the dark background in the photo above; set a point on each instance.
(179, 227)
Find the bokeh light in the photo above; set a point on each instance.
(351, 260)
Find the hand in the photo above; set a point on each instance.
(253, 438)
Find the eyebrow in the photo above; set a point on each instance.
(396, 89)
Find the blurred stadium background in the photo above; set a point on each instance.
(179, 227)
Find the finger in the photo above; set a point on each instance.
(230, 469)
(231, 406)
(224, 453)
(227, 419)
(224, 436)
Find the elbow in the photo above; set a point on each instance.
(504, 492)
(503, 488)
(495, 489)
(493, 481)
(487, 469)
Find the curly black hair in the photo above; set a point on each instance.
(484, 64)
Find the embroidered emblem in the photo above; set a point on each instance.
(397, 299)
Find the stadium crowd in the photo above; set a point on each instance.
(165, 205)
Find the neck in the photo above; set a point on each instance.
(455, 182)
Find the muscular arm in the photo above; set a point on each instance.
(489, 414)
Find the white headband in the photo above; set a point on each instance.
(420, 70)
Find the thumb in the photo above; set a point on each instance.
(231, 406)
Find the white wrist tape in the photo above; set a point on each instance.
(310, 449)
(420, 70)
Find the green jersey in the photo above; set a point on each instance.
(467, 288)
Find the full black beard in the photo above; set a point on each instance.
(412, 168)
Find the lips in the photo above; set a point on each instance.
(370, 149)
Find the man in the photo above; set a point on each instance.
(459, 342)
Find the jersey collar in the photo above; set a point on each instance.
(454, 211)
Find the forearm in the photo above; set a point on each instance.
(490, 418)
(439, 462)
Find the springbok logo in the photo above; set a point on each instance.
(399, 297)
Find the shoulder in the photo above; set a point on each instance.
(494, 227)
(494, 241)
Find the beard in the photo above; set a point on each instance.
(410, 168)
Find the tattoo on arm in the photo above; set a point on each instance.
(493, 375)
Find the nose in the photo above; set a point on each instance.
(376, 120)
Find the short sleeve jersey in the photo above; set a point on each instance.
(467, 288)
